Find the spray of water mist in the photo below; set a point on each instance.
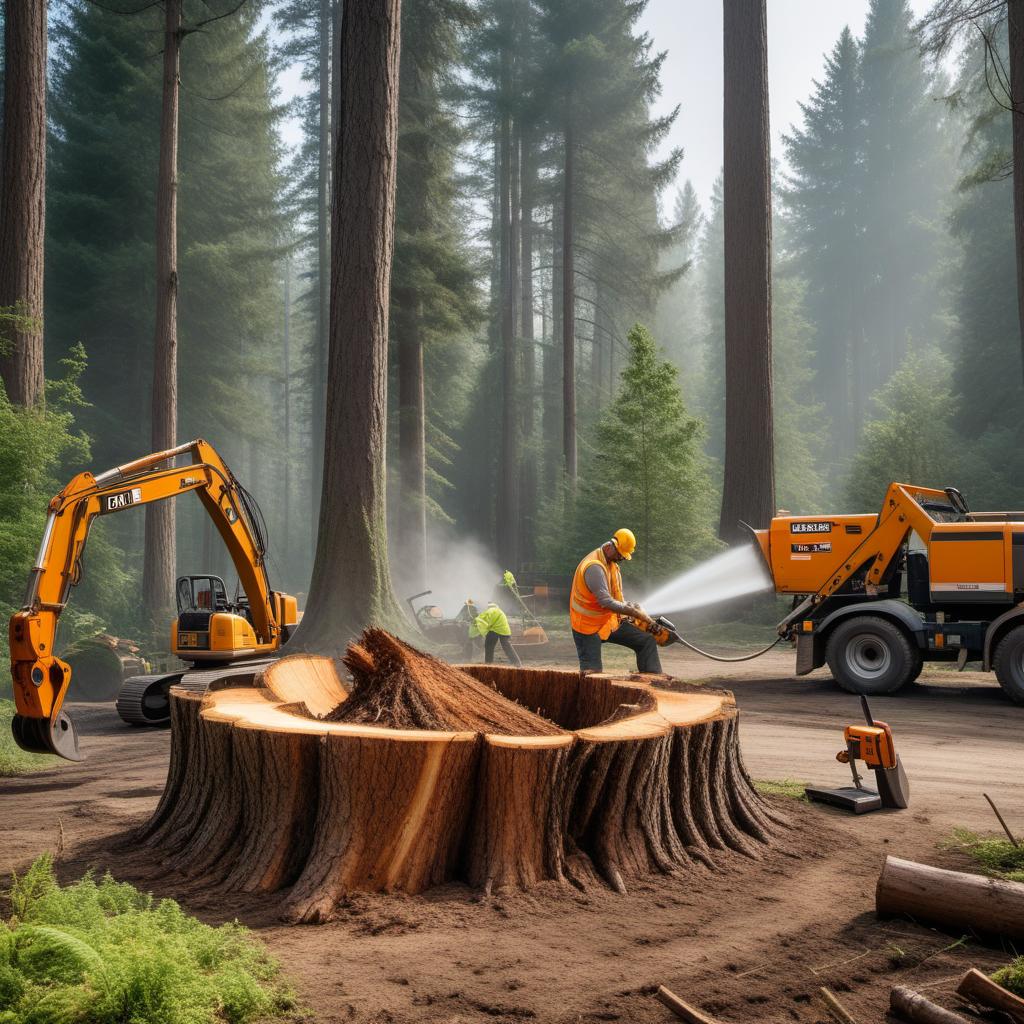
(734, 573)
(458, 568)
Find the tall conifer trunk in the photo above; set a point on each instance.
(551, 414)
(568, 311)
(159, 564)
(528, 464)
(507, 518)
(23, 200)
(351, 584)
(748, 491)
(323, 250)
(1015, 30)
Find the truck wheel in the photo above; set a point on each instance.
(869, 655)
(1009, 664)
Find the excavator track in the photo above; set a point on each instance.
(145, 700)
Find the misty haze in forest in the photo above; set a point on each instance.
(556, 360)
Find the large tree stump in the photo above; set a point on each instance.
(614, 779)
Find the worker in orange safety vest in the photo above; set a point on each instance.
(600, 615)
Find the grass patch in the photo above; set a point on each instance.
(792, 789)
(14, 760)
(997, 857)
(1011, 976)
(104, 953)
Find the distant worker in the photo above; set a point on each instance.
(492, 625)
(598, 613)
(467, 614)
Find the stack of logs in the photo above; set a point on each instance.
(421, 773)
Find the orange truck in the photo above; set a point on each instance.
(924, 579)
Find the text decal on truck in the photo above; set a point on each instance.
(817, 527)
(116, 502)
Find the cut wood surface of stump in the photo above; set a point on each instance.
(523, 776)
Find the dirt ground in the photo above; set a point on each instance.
(752, 942)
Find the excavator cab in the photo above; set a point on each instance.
(201, 594)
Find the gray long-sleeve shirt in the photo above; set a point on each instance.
(597, 584)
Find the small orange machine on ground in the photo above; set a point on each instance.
(873, 744)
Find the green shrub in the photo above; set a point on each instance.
(101, 952)
(997, 856)
(1011, 976)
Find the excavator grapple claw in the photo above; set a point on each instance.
(43, 736)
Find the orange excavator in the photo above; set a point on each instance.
(209, 629)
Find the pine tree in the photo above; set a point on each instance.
(599, 76)
(679, 319)
(824, 197)
(910, 436)
(982, 281)
(661, 489)
(434, 301)
(103, 171)
(906, 173)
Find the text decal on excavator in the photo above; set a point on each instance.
(817, 527)
(810, 549)
(116, 502)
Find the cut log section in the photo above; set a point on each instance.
(952, 899)
(607, 780)
(981, 989)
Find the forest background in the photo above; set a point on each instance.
(557, 317)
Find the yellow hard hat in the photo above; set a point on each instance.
(625, 543)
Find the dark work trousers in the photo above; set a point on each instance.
(492, 640)
(588, 647)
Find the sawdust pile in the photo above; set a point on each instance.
(399, 687)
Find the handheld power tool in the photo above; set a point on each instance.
(873, 744)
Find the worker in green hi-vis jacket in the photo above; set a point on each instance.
(492, 625)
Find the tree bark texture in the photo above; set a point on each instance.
(351, 582)
(326, 135)
(23, 201)
(261, 798)
(748, 491)
(551, 426)
(1015, 30)
(160, 549)
(528, 396)
(569, 310)
(412, 439)
(951, 899)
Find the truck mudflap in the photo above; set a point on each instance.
(807, 659)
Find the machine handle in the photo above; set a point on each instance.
(867, 711)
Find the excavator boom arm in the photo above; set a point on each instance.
(40, 678)
(901, 512)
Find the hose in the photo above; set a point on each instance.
(718, 657)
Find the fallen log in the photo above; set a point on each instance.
(536, 775)
(952, 899)
(913, 1007)
(684, 1011)
(99, 665)
(981, 989)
